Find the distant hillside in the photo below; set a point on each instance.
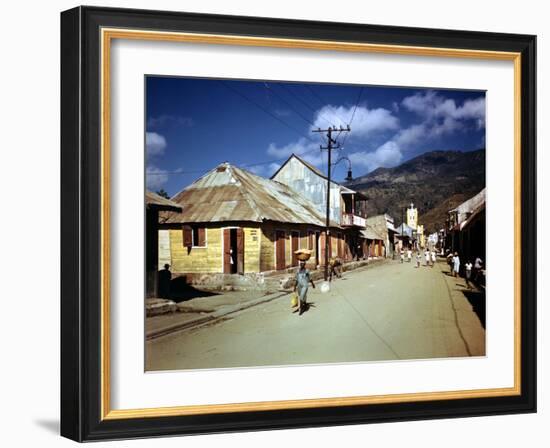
(435, 182)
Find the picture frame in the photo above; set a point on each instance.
(86, 36)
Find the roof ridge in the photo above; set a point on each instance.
(244, 191)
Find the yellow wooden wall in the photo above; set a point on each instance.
(259, 247)
(209, 259)
(268, 236)
(197, 259)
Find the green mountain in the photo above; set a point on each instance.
(434, 181)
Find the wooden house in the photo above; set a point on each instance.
(347, 207)
(234, 222)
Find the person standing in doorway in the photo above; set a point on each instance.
(478, 264)
(301, 285)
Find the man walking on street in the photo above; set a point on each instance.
(456, 265)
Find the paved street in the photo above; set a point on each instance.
(386, 312)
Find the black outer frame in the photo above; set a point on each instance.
(81, 208)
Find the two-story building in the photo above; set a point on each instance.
(347, 207)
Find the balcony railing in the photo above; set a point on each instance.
(349, 219)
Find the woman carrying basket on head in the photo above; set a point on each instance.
(301, 285)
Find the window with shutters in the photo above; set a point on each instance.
(199, 236)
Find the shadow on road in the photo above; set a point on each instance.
(306, 308)
(180, 291)
(477, 300)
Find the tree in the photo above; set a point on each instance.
(163, 193)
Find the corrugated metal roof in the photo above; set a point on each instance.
(471, 204)
(472, 217)
(155, 200)
(228, 193)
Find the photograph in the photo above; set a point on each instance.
(299, 223)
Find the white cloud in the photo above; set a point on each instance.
(298, 147)
(155, 177)
(433, 106)
(154, 144)
(410, 135)
(387, 155)
(365, 121)
(442, 116)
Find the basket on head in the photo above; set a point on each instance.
(303, 254)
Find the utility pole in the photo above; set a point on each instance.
(331, 144)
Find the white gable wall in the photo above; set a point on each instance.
(311, 186)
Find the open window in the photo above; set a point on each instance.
(194, 236)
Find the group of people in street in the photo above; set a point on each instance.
(429, 256)
(472, 271)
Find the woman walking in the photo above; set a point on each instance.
(303, 279)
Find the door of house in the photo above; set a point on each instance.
(233, 251)
(317, 249)
(280, 255)
(295, 238)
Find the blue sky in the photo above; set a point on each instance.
(192, 125)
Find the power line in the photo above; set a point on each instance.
(266, 162)
(324, 103)
(289, 105)
(305, 104)
(353, 115)
(267, 111)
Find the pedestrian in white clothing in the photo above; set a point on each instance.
(409, 255)
(456, 265)
(427, 257)
(468, 271)
(433, 258)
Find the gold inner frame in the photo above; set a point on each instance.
(107, 35)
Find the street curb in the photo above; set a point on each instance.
(216, 315)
